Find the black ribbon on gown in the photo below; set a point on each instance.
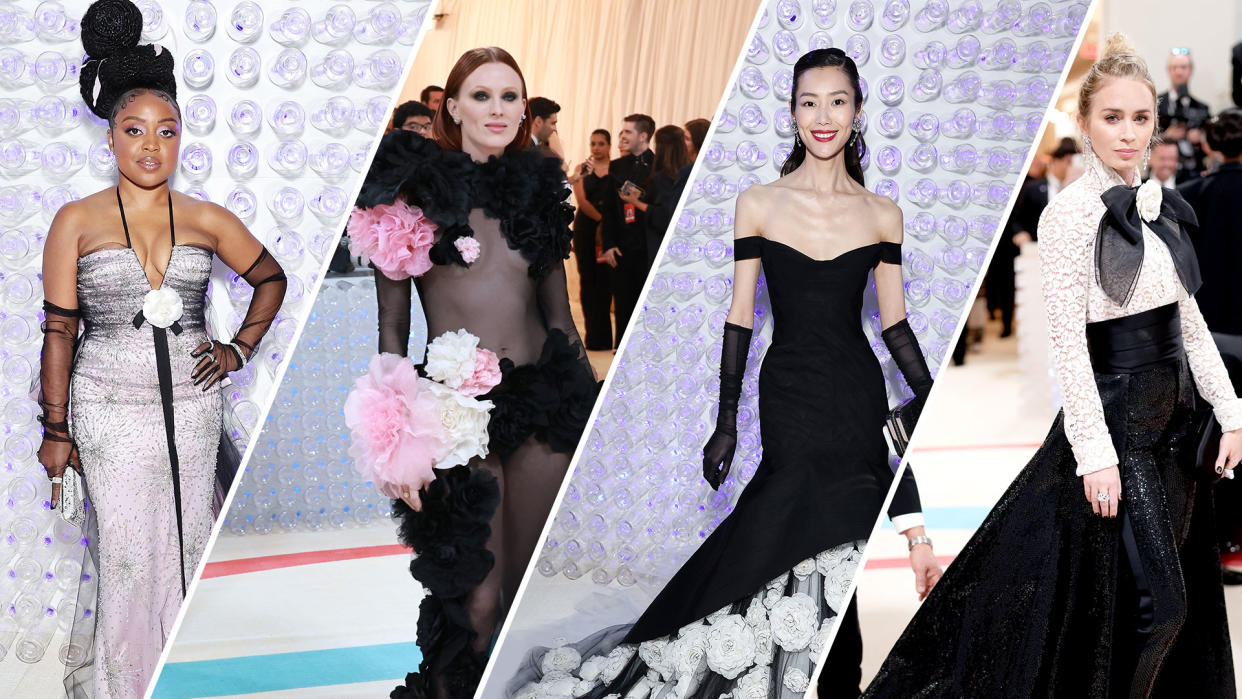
(163, 368)
(1119, 242)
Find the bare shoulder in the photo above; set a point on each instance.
(886, 215)
(753, 205)
(209, 218)
(75, 218)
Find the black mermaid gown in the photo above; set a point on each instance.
(772, 576)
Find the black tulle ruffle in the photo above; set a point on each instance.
(526, 191)
(449, 537)
(550, 399)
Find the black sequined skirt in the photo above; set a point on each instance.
(550, 400)
(1041, 602)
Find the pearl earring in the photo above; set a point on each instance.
(457, 121)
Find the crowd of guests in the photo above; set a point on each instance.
(624, 205)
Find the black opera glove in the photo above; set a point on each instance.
(60, 339)
(718, 452)
(218, 359)
(903, 345)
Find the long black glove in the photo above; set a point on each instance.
(904, 347)
(718, 453)
(60, 338)
(218, 359)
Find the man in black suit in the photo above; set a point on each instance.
(1181, 116)
(842, 672)
(624, 230)
(1036, 191)
(1218, 243)
(543, 114)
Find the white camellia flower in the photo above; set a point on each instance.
(820, 642)
(450, 357)
(794, 622)
(162, 307)
(688, 654)
(804, 569)
(730, 646)
(754, 685)
(616, 662)
(796, 680)
(465, 420)
(654, 653)
(719, 614)
(826, 561)
(1148, 200)
(560, 662)
(591, 669)
(757, 614)
(764, 647)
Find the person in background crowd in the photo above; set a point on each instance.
(663, 190)
(1182, 116)
(592, 187)
(413, 116)
(1040, 186)
(432, 96)
(1218, 207)
(696, 133)
(1236, 77)
(543, 125)
(1162, 166)
(624, 226)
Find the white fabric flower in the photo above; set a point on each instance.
(778, 583)
(688, 654)
(719, 614)
(828, 560)
(162, 307)
(556, 688)
(560, 662)
(616, 662)
(730, 646)
(771, 597)
(450, 357)
(794, 622)
(1148, 200)
(764, 647)
(754, 685)
(820, 642)
(796, 680)
(583, 688)
(804, 569)
(591, 669)
(757, 614)
(654, 653)
(465, 421)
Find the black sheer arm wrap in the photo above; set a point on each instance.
(60, 337)
(904, 346)
(269, 282)
(394, 297)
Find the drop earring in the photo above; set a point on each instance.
(797, 139)
(1146, 157)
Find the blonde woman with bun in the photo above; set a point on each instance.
(1097, 574)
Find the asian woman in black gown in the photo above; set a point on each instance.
(750, 611)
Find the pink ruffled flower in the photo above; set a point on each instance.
(468, 247)
(486, 373)
(397, 436)
(396, 237)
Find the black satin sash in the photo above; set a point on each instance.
(163, 369)
(1131, 344)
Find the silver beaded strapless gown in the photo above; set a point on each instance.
(144, 553)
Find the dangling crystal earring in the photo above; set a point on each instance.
(522, 119)
(1146, 157)
(797, 140)
(1088, 155)
(457, 121)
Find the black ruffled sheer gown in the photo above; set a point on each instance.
(479, 523)
(766, 584)
(1048, 599)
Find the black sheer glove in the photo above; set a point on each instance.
(60, 338)
(904, 347)
(718, 452)
(219, 359)
(269, 283)
(553, 296)
(394, 298)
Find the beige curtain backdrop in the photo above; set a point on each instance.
(599, 59)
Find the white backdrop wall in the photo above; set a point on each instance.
(1209, 28)
(955, 95)
(599, 59)
(280, 102)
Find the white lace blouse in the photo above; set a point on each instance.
(1073, 298)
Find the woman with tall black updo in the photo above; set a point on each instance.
(134, 404)
(750, 612)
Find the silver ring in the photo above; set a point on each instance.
(1102, 496)
(1228, 473)
(57, 479)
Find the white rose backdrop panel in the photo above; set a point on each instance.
(280, 103)
(955, 95)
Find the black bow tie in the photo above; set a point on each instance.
(1119, 242)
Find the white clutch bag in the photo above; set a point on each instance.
(72, 494)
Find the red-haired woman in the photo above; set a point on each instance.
(493, 279)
